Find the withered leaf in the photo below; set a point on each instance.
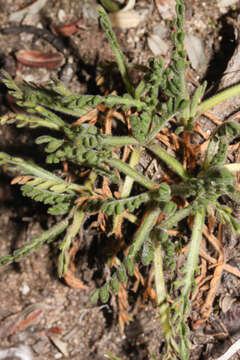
(34, 58)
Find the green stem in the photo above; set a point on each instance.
(210, 153)
(46, 237)
(105, 22)
(218, 99)
(157, 128)
(72, 231)
(169, 160)
(128, 183)
(119, 140)
(29, 167)
(147, 224)
(193, 253)
(161, 290)
(134, 174)
(163, 305)
(175, 218)
(184, 114)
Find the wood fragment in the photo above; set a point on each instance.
(231, 351)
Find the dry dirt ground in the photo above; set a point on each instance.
(60, 322)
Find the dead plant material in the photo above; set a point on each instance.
(34, 58)
(203, 146)
(139, 279)
(71, 29)
(21, 179)
(74, 282)
(198, 129)
(149, 291)
(230, 269)
(100, 222)
(108, 122)
(164, 139)
(30, 319)
(214, 283)
(126, 153)
(211, 219)
(106, 191)
(123, 315)
(69, 277)
(92, 114)
(212, 117)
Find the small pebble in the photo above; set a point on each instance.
(24, 289)
(58, 356)
(61, 15)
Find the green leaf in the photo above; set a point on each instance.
(148, 252)
(114, 283)
(104, 293)
(95, 296)
(121, 274)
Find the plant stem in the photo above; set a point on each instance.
(192, 259)
(134, 174)
(72, 231)
(185, 114)
(116, 50)
(119, 140)
(157, 128)
(169, 160)
(163, 305)
(218, 99)
(46, 237)
(128, 183)
(175, 218)
(144, 229)
(164, 311)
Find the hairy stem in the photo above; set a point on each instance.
(116, 49)
(67, 241)
(169, 160)
(192, 259)
(175, 218)
(163, 305)
(147, 224)
(218, 99)
(128, 183)
(134, 174)
(119, 140)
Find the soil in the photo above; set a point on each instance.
(59, 320)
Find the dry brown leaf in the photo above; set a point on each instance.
(21, 179)
(34, 58)
(74, 282)
(216, 242)
(33, 317)
(70, 29)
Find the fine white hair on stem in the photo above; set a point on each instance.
(231, 351)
